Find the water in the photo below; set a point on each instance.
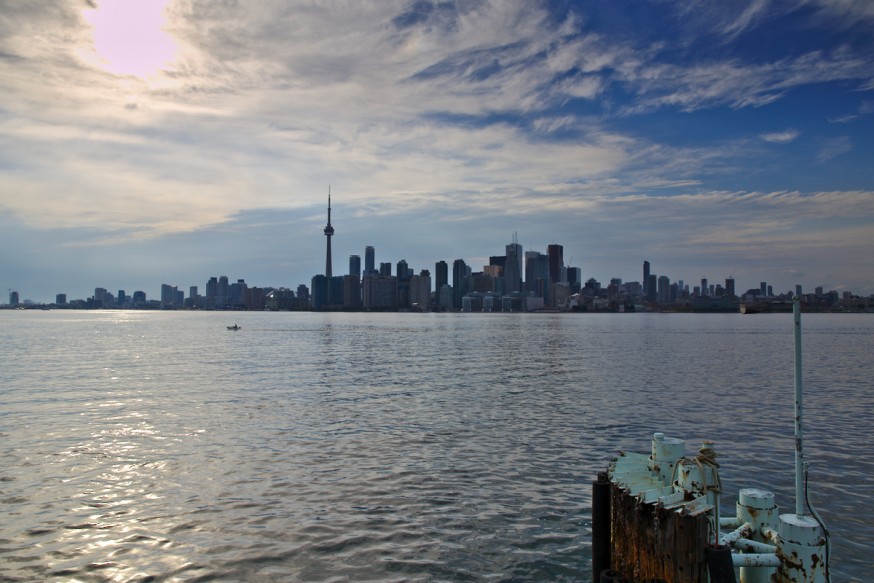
(141, 446)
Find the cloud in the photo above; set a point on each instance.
(262, 105)
(458, 114)
(844, 118)
(738, 84)
(865, 108)
(834, 148)
(783, 137)
(754, 235)
(750, 15)
(848, 12)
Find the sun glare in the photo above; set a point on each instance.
(129, 36)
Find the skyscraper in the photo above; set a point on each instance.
(403, 270)
(222, 292)
(404, 274)
(168, 295)
(329, 232)
(211, 293)
(646, 289)
(664, 290)
(236, 292)
(555, 266)
(369, 260)
(460, 282)
(101, 296)
(441, 271)
(498, 261)
(532, 270)
(555, 255)
(513, 267)
(651, 286)
(380, 292)
(355, 265)
(420, 290)
(575, 278)
(352, 291)
(319, 287)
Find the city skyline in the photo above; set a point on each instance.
(552, 258)
(164, 141)
(516, 262)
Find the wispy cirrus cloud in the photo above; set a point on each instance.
(738, 84)
(754, 11)
(783, 137)
(500, 112)
(847, 12)
(834, 148)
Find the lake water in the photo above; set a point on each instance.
(141, 446)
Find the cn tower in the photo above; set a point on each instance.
(329, 232)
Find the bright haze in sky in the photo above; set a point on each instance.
(169, 141)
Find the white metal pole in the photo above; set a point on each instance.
(799, 450)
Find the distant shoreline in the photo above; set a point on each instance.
(658, 310)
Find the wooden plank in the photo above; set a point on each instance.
(653, 542)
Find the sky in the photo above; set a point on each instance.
(169, 141)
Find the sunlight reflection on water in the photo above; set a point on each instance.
(395, 446)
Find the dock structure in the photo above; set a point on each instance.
(656, 518)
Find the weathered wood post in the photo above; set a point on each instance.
(600, 526)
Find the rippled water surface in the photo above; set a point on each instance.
(397, 447)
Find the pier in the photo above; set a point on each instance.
(657, 517)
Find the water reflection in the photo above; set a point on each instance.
(394, 446)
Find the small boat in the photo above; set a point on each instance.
(234, 327)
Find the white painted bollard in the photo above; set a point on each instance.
(700, 476)
(666, 451)
(801, 547)
(757, 508)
